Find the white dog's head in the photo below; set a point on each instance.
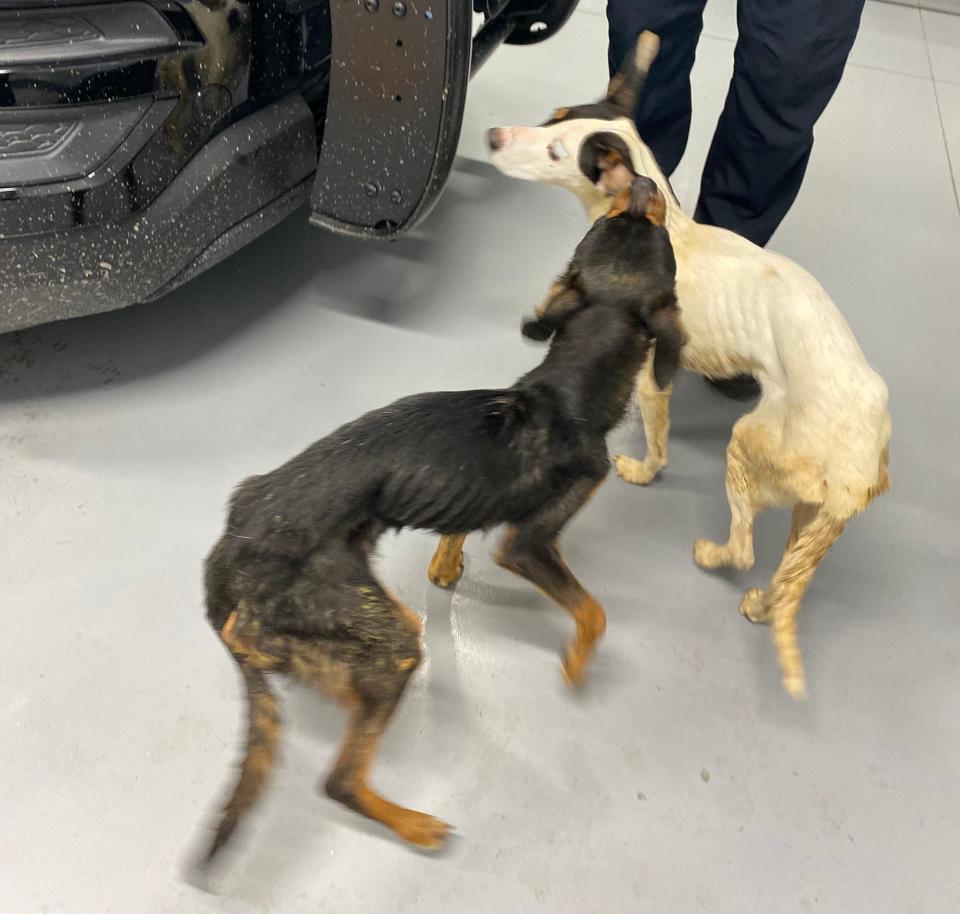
(592, 149)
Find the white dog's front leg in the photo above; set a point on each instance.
(655, 412)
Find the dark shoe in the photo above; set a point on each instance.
(741, 387)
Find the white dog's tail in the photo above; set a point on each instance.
(625, 87)
(788, 587)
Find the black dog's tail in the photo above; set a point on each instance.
(263, 732)
(663, 322)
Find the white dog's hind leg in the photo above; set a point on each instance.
(745, 501)
(655, 412)
(754, 605)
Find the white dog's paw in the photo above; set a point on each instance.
(754, 606)
(710, 555)
(636, 472)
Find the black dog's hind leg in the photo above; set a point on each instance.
(446, 566)
(531, 551)
(370, 678)
(348, 783)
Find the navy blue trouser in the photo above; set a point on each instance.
(788, 61)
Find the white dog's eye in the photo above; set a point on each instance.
(557, 151)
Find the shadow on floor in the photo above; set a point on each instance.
(147, 339)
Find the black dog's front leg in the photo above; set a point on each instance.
(531, 551)
(563, 299)
(446, 566)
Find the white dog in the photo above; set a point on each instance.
(818, 441)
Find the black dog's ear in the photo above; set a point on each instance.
(647, 200)
(564, 301)
(625, 87)
(663, 322)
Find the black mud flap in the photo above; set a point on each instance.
(398, 83)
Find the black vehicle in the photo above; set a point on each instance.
(143, 141)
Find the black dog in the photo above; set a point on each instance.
(289, 585)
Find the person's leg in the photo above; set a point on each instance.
(788, 62)
(664, 107)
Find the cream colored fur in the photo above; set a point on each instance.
(818, 439)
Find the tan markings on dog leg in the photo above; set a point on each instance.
(244, 638)
(348, 782)
(591, 624)
(787, 589)
(655, 413)
(550, 575)
(418, 828)
(446, 566)
(411, 618)
(317, 664)
(406, 613)
(559, 114)
(227, 633)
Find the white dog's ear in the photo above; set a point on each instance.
(625, 87)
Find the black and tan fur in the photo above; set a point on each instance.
(289, 584)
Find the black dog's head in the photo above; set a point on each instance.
(624, 262)
(641, 198)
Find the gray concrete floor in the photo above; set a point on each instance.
(121, 435)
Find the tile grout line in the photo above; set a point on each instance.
(943, 129)
(875, 69)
